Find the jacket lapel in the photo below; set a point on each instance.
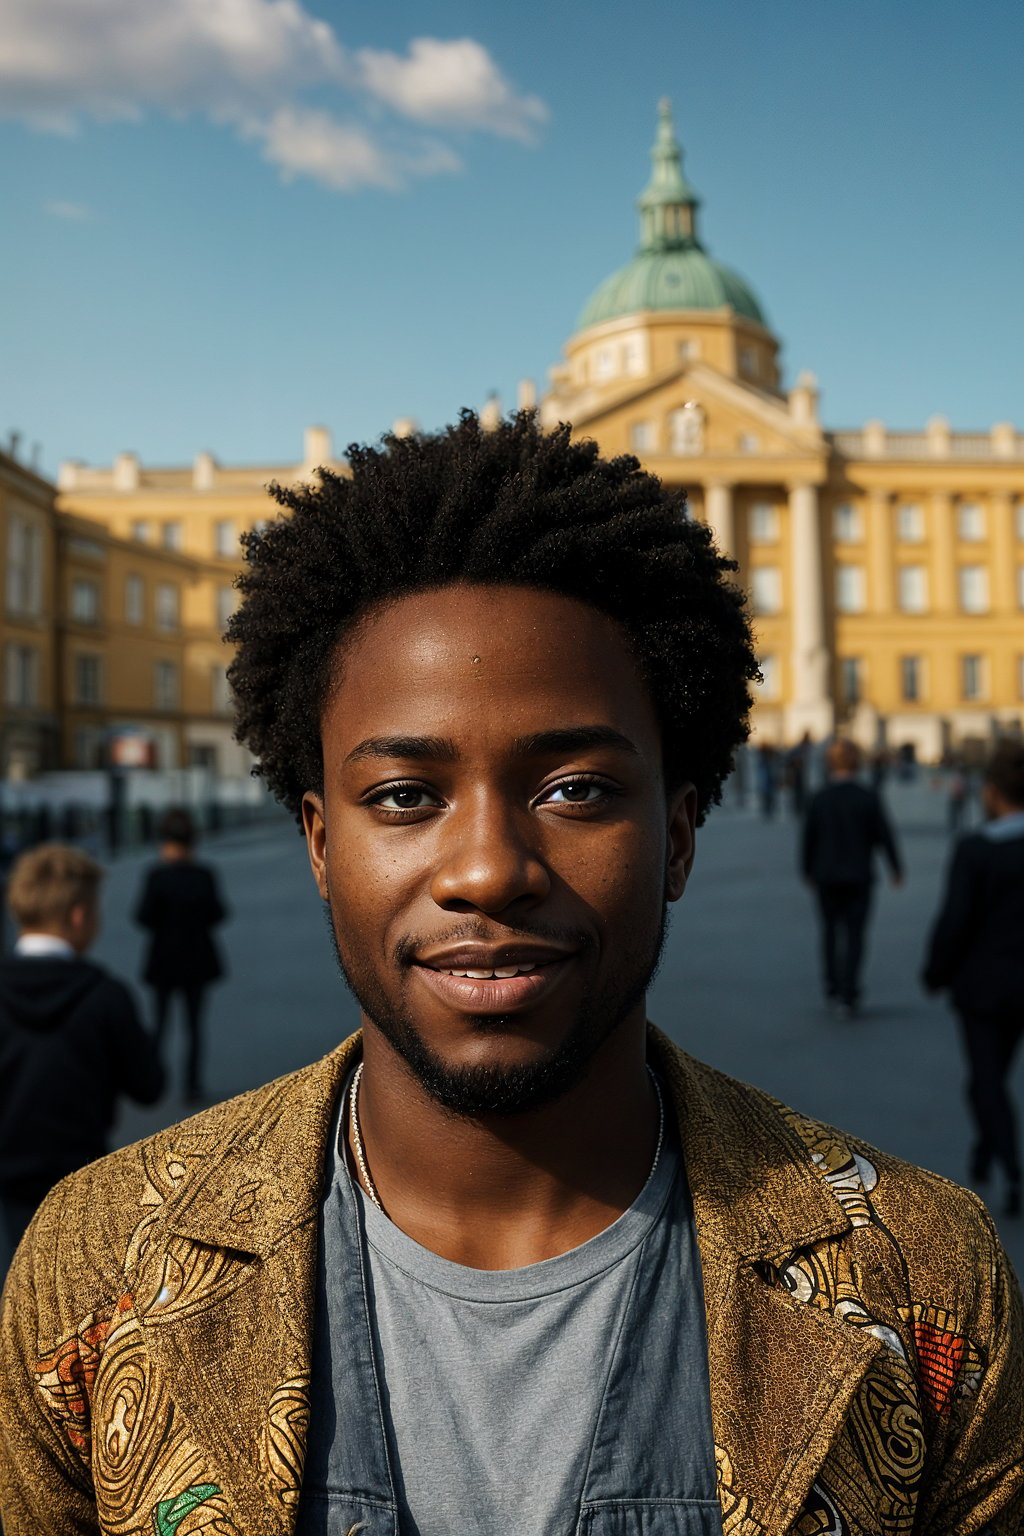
(782, 1374)
(235, 1336)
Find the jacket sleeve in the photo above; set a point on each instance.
(808, 839)
(885, 839)
(140, 1074)
(955, 923)
(147, 908)
(979, 1488)
(45, 1483)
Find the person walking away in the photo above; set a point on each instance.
(70, 1038)
(767, 780)
(976, 953)
(180, 904)
(798, 765)
(845, 825)
(959, 795)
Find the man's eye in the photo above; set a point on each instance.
(404, 797)
(576, 792)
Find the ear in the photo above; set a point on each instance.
(682, 826)
(315, 827)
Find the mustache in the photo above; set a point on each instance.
(474, 931)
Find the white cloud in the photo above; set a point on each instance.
(114, 58)
(343, 156)
(248, 64)
(451, 84)
(76, 213)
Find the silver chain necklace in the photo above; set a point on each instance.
(370, 1187)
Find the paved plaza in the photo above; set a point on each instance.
(738, 986)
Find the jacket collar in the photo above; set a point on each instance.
(782, 1374)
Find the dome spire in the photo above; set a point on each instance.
(668, 204)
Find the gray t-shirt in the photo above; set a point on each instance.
(512, 1399)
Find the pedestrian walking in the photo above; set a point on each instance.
(845, 826)
(798, 770)
(958, 799)
(507, 1259)
(180, 905)
(70, 1038)
(767, 773)
(976, 953)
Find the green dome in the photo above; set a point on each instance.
(681, 279)
(671, 270)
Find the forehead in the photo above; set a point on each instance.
(486, 658)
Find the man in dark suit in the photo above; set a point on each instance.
(70, 1039)
(977, 953)
(844, 826)
(180, 904)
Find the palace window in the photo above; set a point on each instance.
(769, 684)
(972, 677)
(220, 691)
(689, 350)
(910, 679)
(134, 600)
(170, 535)
(764, 523)
(970, 522)
(973, 583)
(21, 669)
(909, 523)
(850, 588)
(142, 529)
(24, 584)
(604, 363)
(846, 523)
(85, 602)
(912, 584)
(686, 429)
(748, 362)
(851, 679)
(749, 442)
(225, 541)
(165, 684)
(766, 588)
(167, 606)
(641, 436)
(87, 678)
(633, 351)
(227, 601)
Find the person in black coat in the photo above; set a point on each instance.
(70, 1037)
(180, 904)
(976, 952)
(844, 828)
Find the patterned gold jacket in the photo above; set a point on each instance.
(864, 1328)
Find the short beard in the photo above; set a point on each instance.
(471, 1092)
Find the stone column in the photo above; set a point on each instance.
(943, 545)
(880, 541)
(718, 514)
(810, 707)
(1003, 558)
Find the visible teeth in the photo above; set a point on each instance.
(500, 973)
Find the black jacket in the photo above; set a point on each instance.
(70, 1043)
(179, 904)
(844, 825)
(977, 943)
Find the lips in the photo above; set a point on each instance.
(477, 981)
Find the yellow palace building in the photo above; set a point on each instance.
(885, 568)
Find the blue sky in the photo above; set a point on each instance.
(225, 220)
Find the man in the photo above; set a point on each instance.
(977, 953)
(844, 827)
(509, 1260)
(70, 1039)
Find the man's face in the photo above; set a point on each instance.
(494, 803)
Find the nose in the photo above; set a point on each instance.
(488, 860)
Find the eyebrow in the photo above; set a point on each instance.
(441, 749)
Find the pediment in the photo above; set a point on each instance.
(736, 418)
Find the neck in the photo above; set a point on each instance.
(505, 1191)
